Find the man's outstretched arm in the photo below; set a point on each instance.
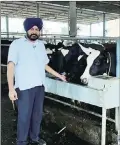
(51, 71)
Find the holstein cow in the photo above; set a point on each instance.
(55, 55)
(85, 57)
(80, 61)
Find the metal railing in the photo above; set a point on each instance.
(55, 37)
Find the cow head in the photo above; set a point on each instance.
(90, 59)
(100, 65)
(92, 55)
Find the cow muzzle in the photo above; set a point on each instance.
(84, 81)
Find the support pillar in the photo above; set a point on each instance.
(90, 30)
(38, 10)
(73, 18)
(104, 26)
(68, 22)
(103, 133)
(118, 75)
(7, 26)
(38, 15)
(118, 58)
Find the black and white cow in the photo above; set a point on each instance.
(80, 61)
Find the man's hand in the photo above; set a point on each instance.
(51, 71)
(62, 77)
(13, 95)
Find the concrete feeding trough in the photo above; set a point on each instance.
(101, 91)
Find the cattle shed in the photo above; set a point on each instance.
(74, 12)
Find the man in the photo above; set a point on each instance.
(27, 59)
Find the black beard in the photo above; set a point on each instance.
(32, 37)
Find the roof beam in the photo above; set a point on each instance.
(60, 17)
(86, 22)
(58, 12)
(93, 5)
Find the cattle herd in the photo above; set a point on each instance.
(77, 61)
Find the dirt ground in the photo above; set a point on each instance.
(48, 127)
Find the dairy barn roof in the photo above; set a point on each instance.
(87, 11)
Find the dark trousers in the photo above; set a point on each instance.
(30, 110)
